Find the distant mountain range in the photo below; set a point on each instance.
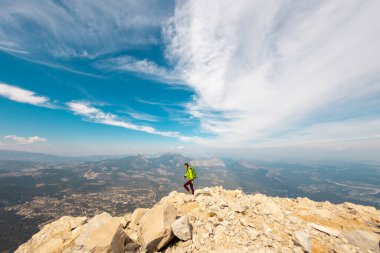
(42, 157)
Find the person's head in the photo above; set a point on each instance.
(186, 165)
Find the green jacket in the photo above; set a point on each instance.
(189, 173)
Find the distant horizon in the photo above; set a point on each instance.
(203, 157)
(290, 80)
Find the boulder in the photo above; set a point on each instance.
(363, 239)
(155, 226)
(103, 233)
(55, 236)
(302, 239)
(136, 216)
(182, 229)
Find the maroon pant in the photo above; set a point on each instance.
(190, 182)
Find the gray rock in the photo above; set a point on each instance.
(302, 239)
(182, 229)
(363, 239)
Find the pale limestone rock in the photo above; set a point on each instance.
(326, 230)
(253, 234)
(243, 222)
(266, 225)
(236, 207)
(103, 233)
(136, 216)
(155, 230)
(302, 239)
(294, 220)
(132, 234)
(182, 229)
(265, 250)
(342, 248)
(324, 213)
(363, 239)
(54, 237)
(127, 219)
(298, 250)
(271, 208)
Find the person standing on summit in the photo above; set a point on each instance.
(190, 175)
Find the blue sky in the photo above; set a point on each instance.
(235, 78)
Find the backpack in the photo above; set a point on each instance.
(194, 173)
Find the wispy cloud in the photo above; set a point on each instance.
(90, 113)
(79, 29)
(25, 140)
(11, 50)
(143, 67)
(23, 96)
(262, 69)
(141, 116)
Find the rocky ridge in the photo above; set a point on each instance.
(218, 220)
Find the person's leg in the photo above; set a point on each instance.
(192, 187)
(186, 184)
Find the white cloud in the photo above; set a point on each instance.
(22, 96)
(93, 114)
(25, 140)
(262, 69)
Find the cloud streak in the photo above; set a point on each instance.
(25, 140)
(23, 96)
(143, 67)
(96, 115)
(262, 69)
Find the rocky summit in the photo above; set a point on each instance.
(218, 220)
